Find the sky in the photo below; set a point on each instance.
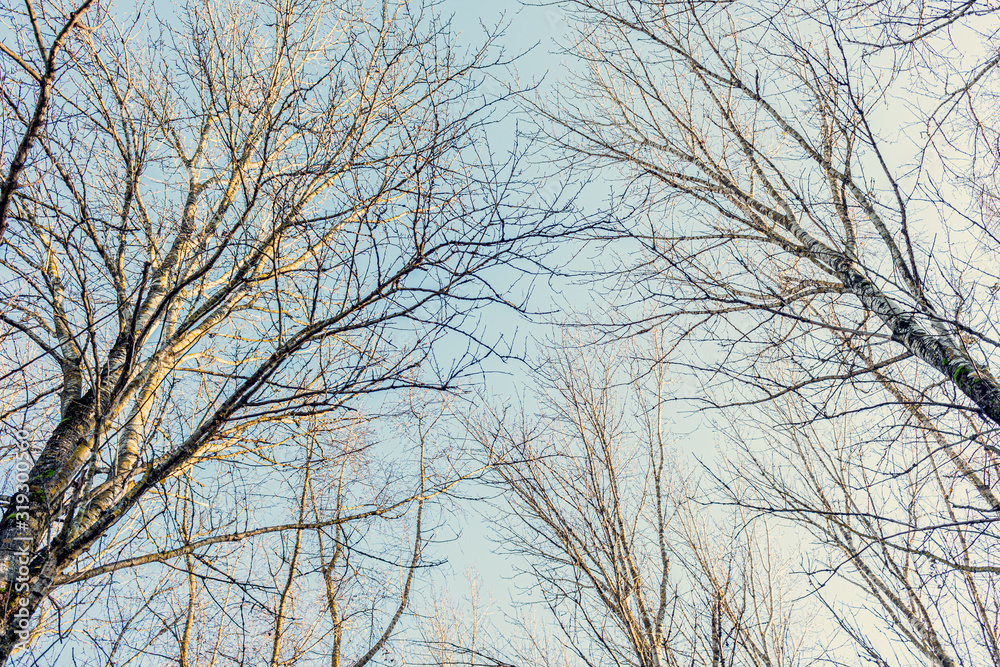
(473, 555)
(536, 32)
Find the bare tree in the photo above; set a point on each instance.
(38, 54)
(454, 628)
(815, 224)
(304, 595)
(775, 210)
(230, 231)
(631, 566)
(900, 510)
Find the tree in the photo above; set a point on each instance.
(811, 193)
(629, 563)
(896, 511)
(41, 62)
(230, 235)
(732, 154)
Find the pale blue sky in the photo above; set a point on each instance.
(535, 29)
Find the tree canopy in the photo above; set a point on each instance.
(257, 262)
